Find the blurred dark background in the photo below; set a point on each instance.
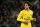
(9, 10)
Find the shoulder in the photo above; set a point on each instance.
(22, 11)
(31, 10)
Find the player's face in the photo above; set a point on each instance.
(26, 5)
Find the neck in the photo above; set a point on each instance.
(27, 9)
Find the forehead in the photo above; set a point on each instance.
(26, 3)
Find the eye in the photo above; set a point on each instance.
(26, 5)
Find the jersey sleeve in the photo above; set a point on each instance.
(19, 18)
(32, 17)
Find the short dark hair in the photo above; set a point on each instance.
(29, 4)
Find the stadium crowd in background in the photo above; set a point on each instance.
(10, 9)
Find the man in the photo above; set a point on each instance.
(26, 16)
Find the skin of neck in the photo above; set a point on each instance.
(27, 9)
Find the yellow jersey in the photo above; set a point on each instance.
(25, 15)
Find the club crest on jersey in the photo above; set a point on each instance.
(25, 14)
